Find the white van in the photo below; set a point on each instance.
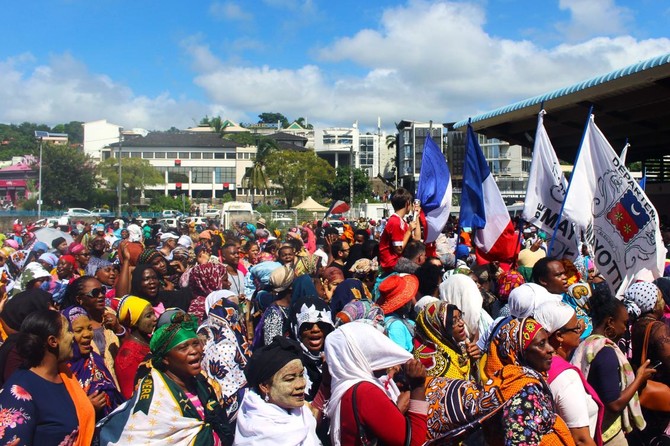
(235, 212)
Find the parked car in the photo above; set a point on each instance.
(212, 213)
(102, 212)
(199, 221)
(170, 222)
(171, 213)
(79, 212)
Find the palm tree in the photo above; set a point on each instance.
(255, 176)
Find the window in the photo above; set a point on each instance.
(230, 155)
(125, 155)
(172, 155)
(148, 155)
(196, 155)
(135, 154)
(201, 175)
(224, 175)
(219, 156)
(177, 174)
(159, 155)
(207, 155)
(184, 155)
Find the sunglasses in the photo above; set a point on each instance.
(577, 330)
(95, 293)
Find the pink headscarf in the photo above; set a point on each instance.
(310, 245)
(75, 248)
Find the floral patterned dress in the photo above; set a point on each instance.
(529, 416)
(36, 412)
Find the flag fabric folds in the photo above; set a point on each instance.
(338, 207)
(483, 208)
(434, 189)
(620, 224)
(545, 194)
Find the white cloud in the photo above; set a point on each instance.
(64, 90)
(229, 11)
(589, 18)
(424, 61)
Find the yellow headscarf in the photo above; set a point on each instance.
(130, 309)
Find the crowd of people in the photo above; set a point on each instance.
(135, 335)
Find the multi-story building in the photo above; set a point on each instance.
(509, 164)
(199, 164)
(409, 151)
(100, 134)
(339, 145)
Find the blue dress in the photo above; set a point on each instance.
(36, 411)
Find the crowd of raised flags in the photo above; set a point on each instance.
(602, 206)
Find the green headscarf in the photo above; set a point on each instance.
(182, 327)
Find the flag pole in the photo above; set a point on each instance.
(579, 151)
(459, 228)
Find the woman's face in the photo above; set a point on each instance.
(64, 268)
(107, 275)
(539, 353)
(65, 339)
(150, 282)
(92, 296)
(287, 389)
(458, 327)
(83, 258)
(184, 359)
(312, 338)
(570, 333)
(618, 323)
(160, 264)
(253, 253)
(124, 234)
(147, 321)
(83, 334)
(62, 248)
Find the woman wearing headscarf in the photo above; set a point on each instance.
(346, 291)
(15, 310)
(462, 291)
(363, 311)
(311, 322)
(88, 366)
(577, 297)
(204, 280)
(137, 315)
(439, 342)
(173, 404)
(356, 353)
(397, 294)
(645, 304)
(33, 276)
(608, 371)
(43, 403)
(275, 320)
(577, 402)
(519, 359)
(81, 255)
(226, 349)
(273, 411)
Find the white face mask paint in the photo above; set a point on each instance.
(287, 389)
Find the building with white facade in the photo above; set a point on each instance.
(199, 164)
(100, 134)
(338, 145)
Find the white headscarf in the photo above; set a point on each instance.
(134, 233)
(216, 296)
(259, 422)
(553, 315)
(353, 352)
(462, 291)
(526, 297)
(185, 241)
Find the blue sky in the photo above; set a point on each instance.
(156, 65)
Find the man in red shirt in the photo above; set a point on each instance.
(397, 231)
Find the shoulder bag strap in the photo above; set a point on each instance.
(646, 342)
(359, 426)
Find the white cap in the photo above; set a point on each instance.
(185, 241)
(167, 236)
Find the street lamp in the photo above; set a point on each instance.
(40, 134)
(120, 185)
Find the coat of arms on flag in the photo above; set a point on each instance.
(628, 216)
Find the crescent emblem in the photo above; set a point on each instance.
(632, 210)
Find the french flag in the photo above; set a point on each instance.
(434, 189)
(483, 208)
(338, 207)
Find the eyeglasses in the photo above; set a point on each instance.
(577, 330)
(95, 293)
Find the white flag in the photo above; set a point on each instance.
(545, 195)
(619, 222)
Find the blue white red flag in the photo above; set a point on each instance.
(434, 189)
(338, 207)
(483, 208)
(620, 225)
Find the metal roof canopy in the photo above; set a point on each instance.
(632, 102)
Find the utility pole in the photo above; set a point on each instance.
(120, 185)
(351, 178)
(39, 195)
